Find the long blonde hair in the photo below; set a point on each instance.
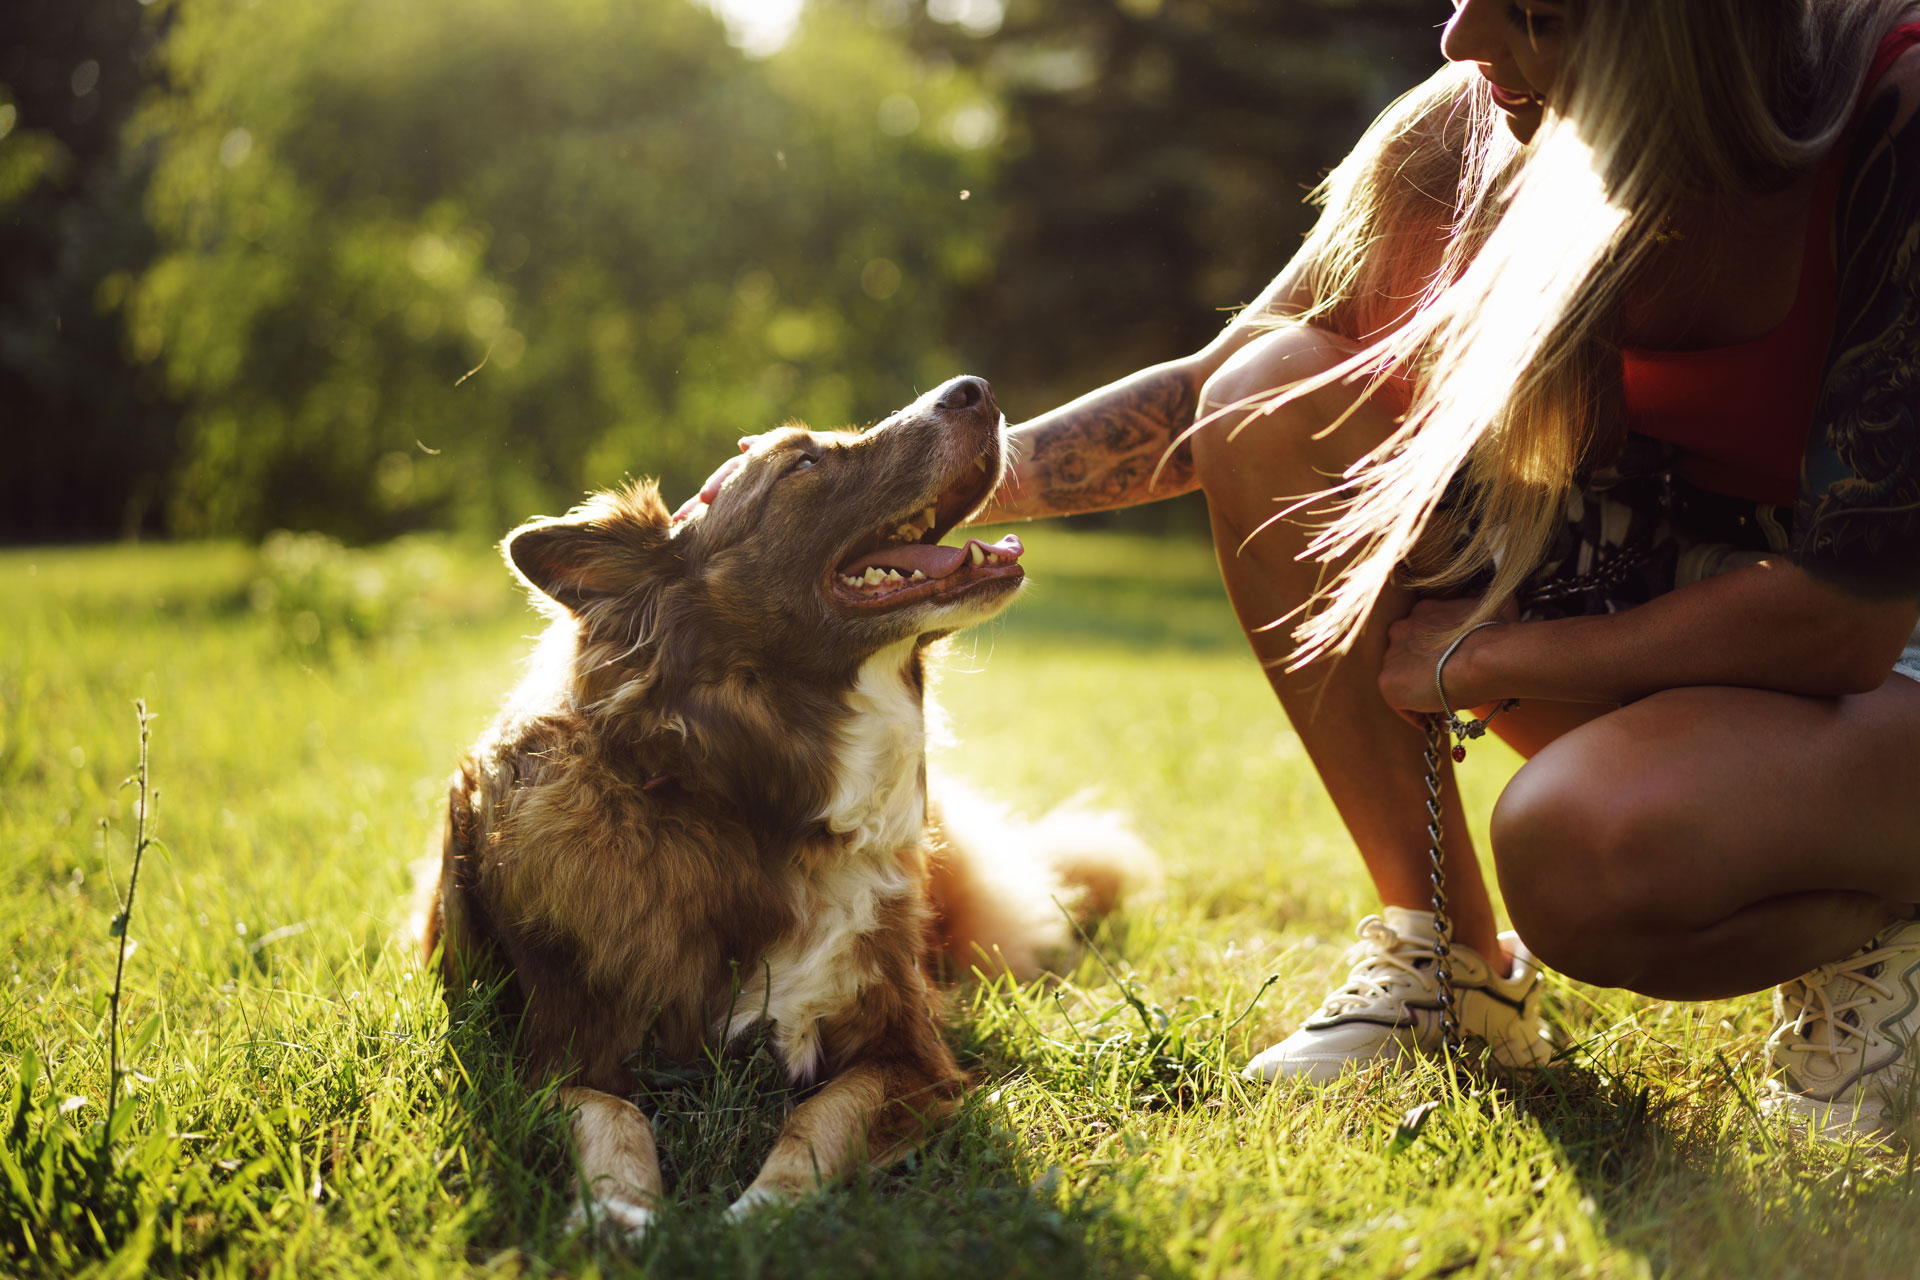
(1489, 274)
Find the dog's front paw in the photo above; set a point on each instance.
(624, 1219)
(752, 1201)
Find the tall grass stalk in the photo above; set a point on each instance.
(145, 800)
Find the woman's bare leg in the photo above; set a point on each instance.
(1703, 843)
(1530, 726)
(1368, 757)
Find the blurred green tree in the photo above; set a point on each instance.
(643, 240)
(88, 440)
(1155, 156)
(454, 261)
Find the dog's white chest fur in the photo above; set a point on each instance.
(879, 801)
(879, 805)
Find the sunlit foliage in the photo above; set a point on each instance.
(640, 242)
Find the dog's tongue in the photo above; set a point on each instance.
(935, 562)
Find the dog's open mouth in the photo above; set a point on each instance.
(902, 562)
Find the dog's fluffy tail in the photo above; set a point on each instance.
(1003, 888)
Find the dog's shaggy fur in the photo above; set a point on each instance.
(706, 806)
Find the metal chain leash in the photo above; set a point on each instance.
(1442, 923)
(1607, 575)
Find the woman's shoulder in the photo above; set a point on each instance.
(1902, 75)
(1889, 101)
(1858, 518)
(1878, 161)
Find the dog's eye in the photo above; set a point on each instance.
(801, 463)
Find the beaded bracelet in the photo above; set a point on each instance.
(1463, 730)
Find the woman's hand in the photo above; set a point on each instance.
(1414, 645)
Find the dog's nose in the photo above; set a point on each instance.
(966, 393)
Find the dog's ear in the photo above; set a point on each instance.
(603, 549)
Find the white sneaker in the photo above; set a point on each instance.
(1390, 1005)
(1841, 1048)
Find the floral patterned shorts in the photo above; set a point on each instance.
(1636, 531)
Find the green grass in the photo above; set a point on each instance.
(301, 1103)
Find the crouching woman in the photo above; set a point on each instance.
(1610, 337)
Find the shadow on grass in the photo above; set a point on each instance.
(966, 1204)
(1701, 1185)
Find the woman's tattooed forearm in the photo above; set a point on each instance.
(1103, 453)
(1858, 517)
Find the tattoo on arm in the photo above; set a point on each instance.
(1857, 521)
(1102, 453)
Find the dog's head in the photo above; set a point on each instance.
(820, 550)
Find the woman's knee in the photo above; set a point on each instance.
(1586, 863)
(1539, 853)
(1276, 358)
(1240, 393)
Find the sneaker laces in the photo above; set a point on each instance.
(1382, 961)
(1820, 1011)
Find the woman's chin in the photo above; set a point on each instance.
(1523, 125)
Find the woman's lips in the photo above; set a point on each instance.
(1514, 100)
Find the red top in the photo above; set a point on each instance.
(1741, 414)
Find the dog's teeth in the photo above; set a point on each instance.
(917, 576)
(992, 558)
(893, 575)
(927, 518)
(974, 554)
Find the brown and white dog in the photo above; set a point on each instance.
(706, 805)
